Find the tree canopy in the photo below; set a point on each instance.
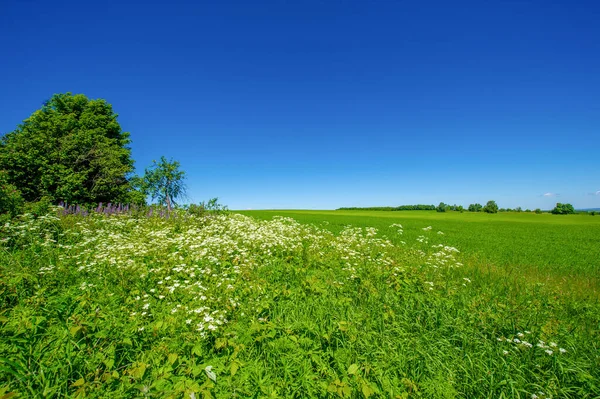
(563, 209)
(491, 207)
(475, 207)
(72, 149)
(164, 182)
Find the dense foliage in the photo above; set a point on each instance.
(563, 209)
(72, 149)
(11, 201)
(475, 207)
(491, 207)
(105, 306)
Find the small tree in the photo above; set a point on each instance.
(441, 207)
(563, 209)
(491, 207)
(538, 211)
(163, 181)
(475, 208)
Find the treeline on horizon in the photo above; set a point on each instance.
(419, 207)
(490, 207)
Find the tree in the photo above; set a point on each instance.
(72, 150)
(441, 207)
(563, 209)
(491, 207)
(538, 211)
(475, 208)
(165, 182)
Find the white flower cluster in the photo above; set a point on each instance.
(521, 342)
(192, 270)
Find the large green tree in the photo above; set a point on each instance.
(72, 149)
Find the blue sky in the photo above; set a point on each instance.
(330, 103)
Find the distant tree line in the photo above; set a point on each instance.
(490, 207)
(419, 207)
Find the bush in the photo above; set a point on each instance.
(491, 207)
(38, 208)
(538, 211)
(475, 208)
(441, 207)
(11, 202)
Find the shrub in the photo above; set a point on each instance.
(11, 202)
(491, 207)
(475, 208)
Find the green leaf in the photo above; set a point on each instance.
(366, 389)
(78, 383)
(352, 369)
(74, 330)
(139, 371)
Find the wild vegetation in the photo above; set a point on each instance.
(224, 305)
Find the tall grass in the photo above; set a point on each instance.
(230, 306)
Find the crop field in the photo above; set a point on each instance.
(561, 250)
(313, 304)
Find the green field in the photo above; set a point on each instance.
(560, 249)
(230, 306)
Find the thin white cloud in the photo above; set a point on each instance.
(598, 192)
(549, 195)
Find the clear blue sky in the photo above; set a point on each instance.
(330, 103)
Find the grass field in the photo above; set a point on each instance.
(563, 250)
(230, 306)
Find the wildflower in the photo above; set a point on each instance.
(549, 352)
(210, 374)
(562, 350)
(505, 352)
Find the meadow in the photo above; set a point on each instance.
(562, 250)
(321, 305)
